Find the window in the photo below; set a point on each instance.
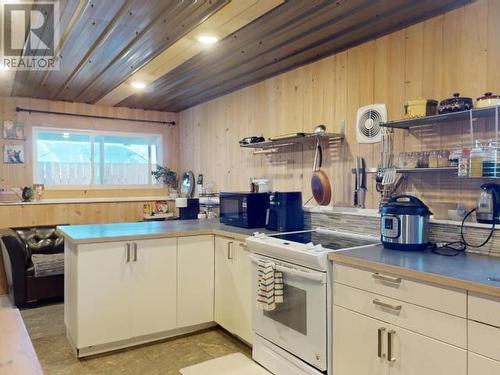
(94, 158)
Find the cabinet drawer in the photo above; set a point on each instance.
(484, 339)
(451, 301)
(431, 323)
(484, 309)
(479, 365)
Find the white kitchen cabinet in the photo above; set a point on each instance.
(225, 285)
(233, 288)
(153, 293)
(363, 345)
(103, 302)
(122, 290)
(195, 279)
(479, 365)
(382, 324)
(415, 354)
(355, 340)
(244, 300)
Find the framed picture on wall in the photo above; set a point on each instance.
(13, 154)
(13, 130)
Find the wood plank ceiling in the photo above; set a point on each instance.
(105, 42)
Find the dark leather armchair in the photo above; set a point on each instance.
(25, 283)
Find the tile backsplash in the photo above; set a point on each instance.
(441, 231)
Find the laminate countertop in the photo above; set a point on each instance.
(17, 356)
(472, 272)
(96, 233)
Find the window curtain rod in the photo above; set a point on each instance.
(20, 109)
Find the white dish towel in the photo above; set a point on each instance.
(270, 285)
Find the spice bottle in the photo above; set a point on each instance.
(463, 162)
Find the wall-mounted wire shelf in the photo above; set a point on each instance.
(438, 119)
(292, 140)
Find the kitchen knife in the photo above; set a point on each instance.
(362, 184)
(356, 172)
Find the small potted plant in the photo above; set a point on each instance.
(168, 177)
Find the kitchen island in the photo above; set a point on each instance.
(95, 233)
(131, 283)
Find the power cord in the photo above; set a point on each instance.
(462, 231)
(307, 201)
(456, 247)
(448, 249)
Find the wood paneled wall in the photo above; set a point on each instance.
(456, 52)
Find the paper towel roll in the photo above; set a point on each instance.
(181, 202)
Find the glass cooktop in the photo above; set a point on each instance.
(329, 239)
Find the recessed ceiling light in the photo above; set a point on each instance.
(207, 39)
(138, 85)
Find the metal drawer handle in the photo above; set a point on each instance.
(127, 246)
(381, 330)
(387, 305)
(229, 255)
(390, 335)
(389, 279)
(135, 251)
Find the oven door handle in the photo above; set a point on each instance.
(315, 276)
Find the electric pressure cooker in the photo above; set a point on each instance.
(404, 223)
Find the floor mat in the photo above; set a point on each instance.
(232, 364)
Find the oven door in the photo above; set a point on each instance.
(299, 324)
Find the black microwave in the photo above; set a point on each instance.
(246, 210)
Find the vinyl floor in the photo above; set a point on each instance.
(46, 328)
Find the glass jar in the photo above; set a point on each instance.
(454, 157)
(423, 160)
(442, 158)
(403, 159)
(433, 159)
(411, 160)
(476, 160)
(491, 167)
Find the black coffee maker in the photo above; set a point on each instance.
(285, 212)
(488, 204)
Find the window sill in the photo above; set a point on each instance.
(89, 200)
(104, 187)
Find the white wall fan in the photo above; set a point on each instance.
(368, 119)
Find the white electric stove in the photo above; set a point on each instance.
(294, 339)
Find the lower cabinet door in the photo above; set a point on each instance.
(104, 299)
(242, 269)
(153, 295)
(479, 365)
(414, 354)
(225, 284)
(356, 346)
(195, 279)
